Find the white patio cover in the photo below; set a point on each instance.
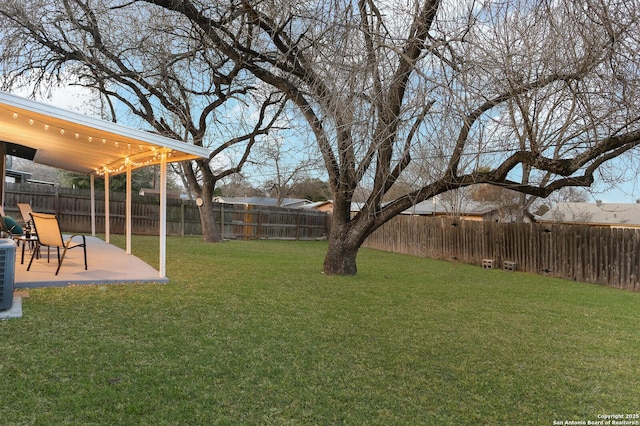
(76, 142)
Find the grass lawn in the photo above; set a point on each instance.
(253, 333)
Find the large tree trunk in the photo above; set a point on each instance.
(341, 255)
(345, 238)
(210, 230)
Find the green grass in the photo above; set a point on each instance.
(254, 333)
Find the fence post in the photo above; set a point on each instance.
(56, 202)
(222, 221)
(182, 224)
(247, 220)
(297, 225)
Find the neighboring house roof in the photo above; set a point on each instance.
(319, 205)
(19, 176)
(431, 207)
(263, 201)
(602, 214)
(170, 194)
(469, 208)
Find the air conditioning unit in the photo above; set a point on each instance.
(7, 272)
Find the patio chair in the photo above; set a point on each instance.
(25, 212)
(49, 235)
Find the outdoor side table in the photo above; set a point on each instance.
(31, 240)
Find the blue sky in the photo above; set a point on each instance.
(77, 99)
(625, 193)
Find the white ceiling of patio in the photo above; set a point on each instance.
(75, 142)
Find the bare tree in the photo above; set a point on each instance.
(159, 66)
(283, 161)
(285, 172)
(544, 92)
(313, 189)
(237, 185)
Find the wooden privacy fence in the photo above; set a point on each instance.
(589, 254)
(262, 222)
(73, 208)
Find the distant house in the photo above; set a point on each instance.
(17, 176)
(612, 215)
(291, 203)
(146, 192)
(321, 206)
(469, 210)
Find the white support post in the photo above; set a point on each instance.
(92, 178)
(107, 219)
(163, 215)
(128, 210)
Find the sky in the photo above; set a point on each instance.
(77, 99)
(625, 193)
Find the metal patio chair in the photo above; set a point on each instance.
(49, 235)
(25, 212)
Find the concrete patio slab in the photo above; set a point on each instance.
(107, 264)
